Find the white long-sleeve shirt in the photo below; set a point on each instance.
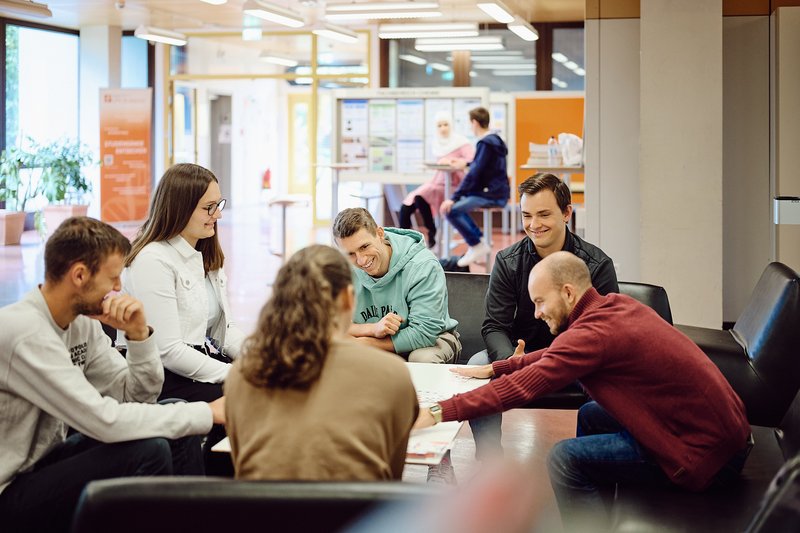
(53, 378)
(169, 279)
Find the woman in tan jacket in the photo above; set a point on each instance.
(306, 402)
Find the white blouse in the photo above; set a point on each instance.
(168, 278)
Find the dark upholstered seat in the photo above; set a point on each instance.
(466, 295)
(652, 296)
(214, 505)
(760, 356)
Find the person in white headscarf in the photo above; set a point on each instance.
(448, 147)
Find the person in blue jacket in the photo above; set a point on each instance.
(401, 293)
(485, 185)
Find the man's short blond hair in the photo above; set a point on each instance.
(350, 220)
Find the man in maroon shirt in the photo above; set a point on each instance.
(663, 412)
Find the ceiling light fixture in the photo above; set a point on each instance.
(25, 7)
(504, 66)
(558, 56)
(481, 58)
(413, 59)
(514, 72)
(271, 12)
(159, 35)
(336, 33)
(523, 29)
(497, 10)
(382, 10)
(414, 31)
(440, 67)
(441, 44)
(214, 2)
(580, 72)
(267, 57)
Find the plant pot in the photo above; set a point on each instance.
(54, 215)
(11, 226)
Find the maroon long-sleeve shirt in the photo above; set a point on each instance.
(648, 375)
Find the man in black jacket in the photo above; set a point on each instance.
(546, 206)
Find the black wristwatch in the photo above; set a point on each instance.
(436, 412)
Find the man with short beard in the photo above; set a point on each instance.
(662, 413)
(58, 371)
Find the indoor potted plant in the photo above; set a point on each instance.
(16, 189)
(62, 181)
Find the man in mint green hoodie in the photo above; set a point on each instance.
(401, 294)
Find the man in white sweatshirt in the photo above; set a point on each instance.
(58, 370)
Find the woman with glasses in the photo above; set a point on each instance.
(175, 269)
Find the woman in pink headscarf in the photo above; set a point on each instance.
(447, 147)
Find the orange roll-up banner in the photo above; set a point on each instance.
(125, 123)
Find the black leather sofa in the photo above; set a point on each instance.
(216, 505)
(760, 356)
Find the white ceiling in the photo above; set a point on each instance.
(195, 15)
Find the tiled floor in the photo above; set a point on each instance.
(248, 235)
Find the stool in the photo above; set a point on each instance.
(487, 230)
(284, 202)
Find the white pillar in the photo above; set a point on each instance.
(99, 69)
(681, 155)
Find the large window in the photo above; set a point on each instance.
(41, 85)
(568, 59)
(134, 62)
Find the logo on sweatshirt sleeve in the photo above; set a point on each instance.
(78, 354)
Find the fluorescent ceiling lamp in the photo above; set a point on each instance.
(24, 7)
(558, 83)
(473, 74)
(481, 59)
(571, 65)
(352, 7)
(214, 2)
(460, 40)
(523, 29)
(440, 67)
(497, 10)
(276, 60)
(413, 31)
(271, 12)
(504, 66)
(413, 59)
(580, 72)
(382, 10)
(558, 56)
(336, 33)
(513, 72)
(158, 35)
(452, 47)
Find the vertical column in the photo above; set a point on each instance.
(681, 155)
(785, 106)
(100, 53)
(461, 66)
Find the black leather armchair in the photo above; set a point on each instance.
(215, 505)
(466, 295)
(760, 355)
(652, 296)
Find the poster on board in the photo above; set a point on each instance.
(355, 131)
(125, 174)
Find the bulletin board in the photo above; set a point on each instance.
(391, 131)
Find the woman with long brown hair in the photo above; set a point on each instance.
(175, 269)
(304, 400)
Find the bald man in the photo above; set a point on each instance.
(663, 412)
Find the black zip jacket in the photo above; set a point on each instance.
(509, 310)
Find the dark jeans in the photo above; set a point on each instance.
(45, 498)
(461, 220)
(176, 386)
(603, 454)
(486, 430)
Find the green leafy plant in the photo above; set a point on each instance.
(16, 187)
(62, 180)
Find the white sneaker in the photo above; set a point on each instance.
(474, 254)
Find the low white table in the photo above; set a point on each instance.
(433, 383)
(335, 168)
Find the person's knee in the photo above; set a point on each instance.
(154, 457)
(560, 460)
(480, 358)
(426, 356)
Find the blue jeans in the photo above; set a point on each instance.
(603, 454)
(463, 223)
(486, 430)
